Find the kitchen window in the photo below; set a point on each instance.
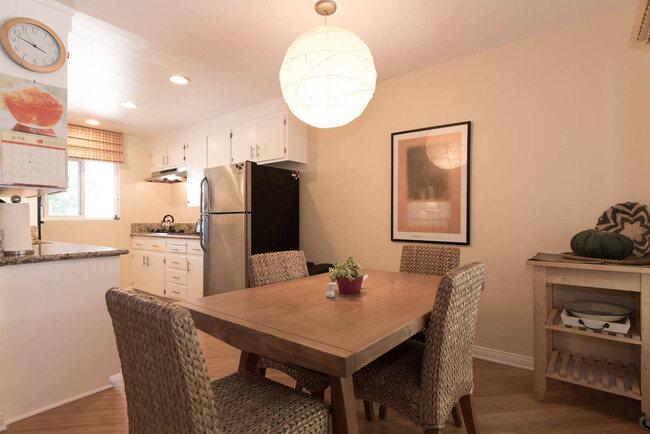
(93, 192)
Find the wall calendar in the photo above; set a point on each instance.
(33, 160)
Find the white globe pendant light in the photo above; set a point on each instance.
(328, 75)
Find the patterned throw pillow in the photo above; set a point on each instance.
(631, 219)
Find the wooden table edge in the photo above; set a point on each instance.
(322, 357)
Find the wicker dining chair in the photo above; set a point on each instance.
(432, 260)
(167, 384)
(429, 259)
(425, 380)
(268, 268)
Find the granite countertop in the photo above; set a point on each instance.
(145, 230)
(191, 235)
(55, 251)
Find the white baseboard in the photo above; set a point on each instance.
(58, 404)
(504, 358)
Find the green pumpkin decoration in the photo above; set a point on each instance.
(606, 245)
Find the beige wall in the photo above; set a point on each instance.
(140, 202)
(559, 133)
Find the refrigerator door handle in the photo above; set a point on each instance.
(205, 228)
(205, 195)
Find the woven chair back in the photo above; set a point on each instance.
(268, 268)
(429, 259)
(165, 377)
(447, 364)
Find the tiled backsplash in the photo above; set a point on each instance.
(139, 228)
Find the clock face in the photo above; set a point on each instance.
(32, 45)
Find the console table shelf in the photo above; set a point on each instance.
(590, 371)
(607, 373)
(554, 322)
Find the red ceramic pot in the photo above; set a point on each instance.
(349, 288)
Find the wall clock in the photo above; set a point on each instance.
(32, 45)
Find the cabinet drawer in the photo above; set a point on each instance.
(178, 292)
(154, 244)
(194, 248)
(176, 247)
(177, 262)
(176, 276)
(138, 243)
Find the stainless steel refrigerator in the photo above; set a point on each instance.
(246, 209)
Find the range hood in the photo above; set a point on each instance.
(169, 176)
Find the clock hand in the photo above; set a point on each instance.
(31, 43)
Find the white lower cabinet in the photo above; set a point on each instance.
(148, 272)
(194, 277)
(168, 268)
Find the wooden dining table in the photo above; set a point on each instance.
(293, 322)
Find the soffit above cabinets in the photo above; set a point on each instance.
(124, 50)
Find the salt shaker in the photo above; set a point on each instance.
(330, 290)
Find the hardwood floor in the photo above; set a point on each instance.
(503, 398)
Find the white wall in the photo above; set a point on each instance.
(559, 134)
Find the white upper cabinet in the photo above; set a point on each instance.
(176, 154)
(270, 138)
(219, 148)
(168, 156)
(278, 137)
(243, 142)
(196, 161)
(158, 157)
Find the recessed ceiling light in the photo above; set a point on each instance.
(179, 79)
(129, 104)
(92, 122)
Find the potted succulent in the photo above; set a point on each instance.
(348, 276)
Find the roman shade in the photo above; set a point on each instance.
(641, 28)
(93, 144)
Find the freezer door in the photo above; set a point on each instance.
(225, 260)
(225, 189)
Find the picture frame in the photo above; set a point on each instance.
(430, 179)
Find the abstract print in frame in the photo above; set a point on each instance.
(430, 184)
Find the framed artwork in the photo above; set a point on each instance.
(430, 184)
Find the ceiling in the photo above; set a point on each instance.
(232, 50)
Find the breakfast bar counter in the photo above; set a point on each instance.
(47, 251)
(56, 337)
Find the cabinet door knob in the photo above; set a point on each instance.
(251, 152)
(257, 150)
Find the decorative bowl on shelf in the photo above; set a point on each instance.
(597, 310)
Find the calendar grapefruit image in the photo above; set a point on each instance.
(34, 108)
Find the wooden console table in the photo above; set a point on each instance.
(631, 380)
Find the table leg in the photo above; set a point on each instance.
(345, 409)
(248, 361)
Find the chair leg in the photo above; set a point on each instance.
(382, 412)
(298, 387)
(455, 413)
(319, 394)
(369, 410)
(467, 406)
(261, 371)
